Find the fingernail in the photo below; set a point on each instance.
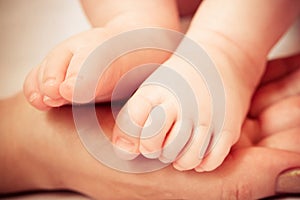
(33, 97)
(50, 82)
(288, 181)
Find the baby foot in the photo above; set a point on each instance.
(49, 84)
(52, 83)
(157, 123)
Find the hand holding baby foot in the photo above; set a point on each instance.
(253, 151)
(239, 54)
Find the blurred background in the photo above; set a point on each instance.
(29, 29)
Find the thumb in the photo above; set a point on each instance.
(252, 173)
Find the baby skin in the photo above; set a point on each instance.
(237, 36)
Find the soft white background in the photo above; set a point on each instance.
(30, 28)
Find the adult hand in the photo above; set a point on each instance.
(42, 150)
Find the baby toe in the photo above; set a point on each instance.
(194, 152)
(217, 153)
(32, 92)
(52, 72)
(154, 132)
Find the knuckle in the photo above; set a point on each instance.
(238, 191)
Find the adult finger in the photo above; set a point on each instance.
(280, 67)
(281, 116)
(275, 91)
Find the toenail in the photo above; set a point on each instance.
(33, 97)
(178, 167)
(70, 82)
(46, 98)
(199, 169)
(54, 102)
(144, 149)
(50, 82)
(125, 144)
(164, 160)
(148, 153)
